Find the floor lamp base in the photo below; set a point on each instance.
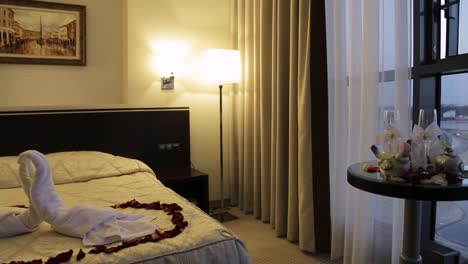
(222, 215)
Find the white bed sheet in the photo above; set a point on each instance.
(204, 240)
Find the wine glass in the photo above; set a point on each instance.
(391, 118)
(426, 118)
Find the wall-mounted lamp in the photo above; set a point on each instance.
(168, 82)
(169, 60)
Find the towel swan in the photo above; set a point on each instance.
(14, 222)
(97, 226)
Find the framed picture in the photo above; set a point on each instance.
(35, 32)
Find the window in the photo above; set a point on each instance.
(454, 112)
(440, 75)
(454, 24)
(451, 216)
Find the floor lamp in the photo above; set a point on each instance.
(221, 66)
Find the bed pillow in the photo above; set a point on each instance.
(75, 166)
(9, 175)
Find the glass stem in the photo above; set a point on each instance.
(427, 149)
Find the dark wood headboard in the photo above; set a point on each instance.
(160, 137)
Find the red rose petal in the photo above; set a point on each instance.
(80, 255)
(60, 258)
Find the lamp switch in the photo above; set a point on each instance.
(169, 147)
(176, 146)
(161, 147)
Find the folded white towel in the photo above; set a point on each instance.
(97, 226)
(16, 221)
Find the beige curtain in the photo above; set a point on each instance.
(270, 151)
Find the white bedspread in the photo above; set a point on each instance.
(204, 240)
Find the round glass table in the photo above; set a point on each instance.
(413, 195)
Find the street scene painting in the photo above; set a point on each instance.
(36, 32)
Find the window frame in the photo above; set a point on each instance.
(428, 69)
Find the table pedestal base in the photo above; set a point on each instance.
(412, 233)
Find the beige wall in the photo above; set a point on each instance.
(199, 25)
(100, 82)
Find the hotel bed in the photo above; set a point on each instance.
(94, 177)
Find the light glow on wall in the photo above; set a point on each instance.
(169, 58)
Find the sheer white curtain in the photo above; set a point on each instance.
(270, 158)
(368, 44)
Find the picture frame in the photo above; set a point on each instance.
(37, 32)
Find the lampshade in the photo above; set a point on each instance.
(221, 66)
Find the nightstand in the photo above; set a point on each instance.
(188, 183)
